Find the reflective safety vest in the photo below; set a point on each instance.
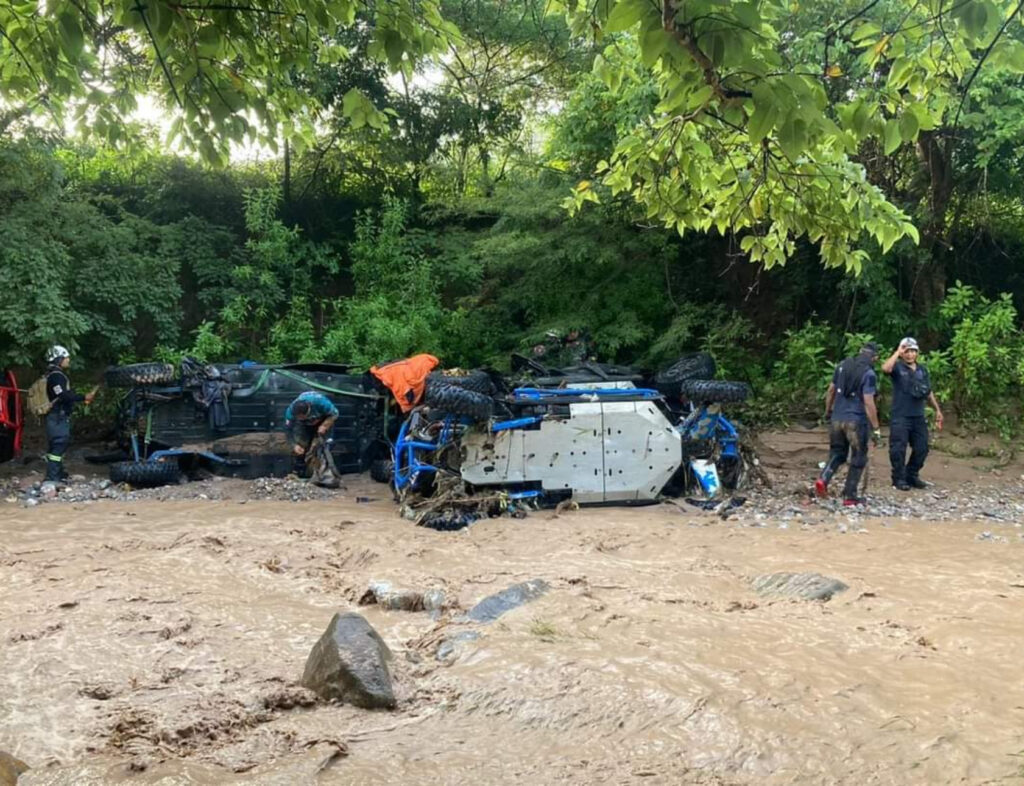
(406, 379)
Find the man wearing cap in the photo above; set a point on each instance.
(850, 407)
(911, 389)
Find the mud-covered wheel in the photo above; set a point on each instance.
(454, 400)
(382, 470)
(139, 374)
(145, 474)
(698, 365)
(714, 391)
(477, 381)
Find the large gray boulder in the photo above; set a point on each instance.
(493, 606)
(805, 586)
(10, 769)
(350, 663)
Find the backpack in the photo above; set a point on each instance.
(38, 402)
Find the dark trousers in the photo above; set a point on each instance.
(304, 434)
(904, 432)
(58, 439)
(847, 440)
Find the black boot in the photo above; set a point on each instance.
(54, 471)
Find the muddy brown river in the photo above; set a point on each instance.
(162, 642)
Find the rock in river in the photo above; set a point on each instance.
(388, 597)
(350, 663)
(10, 769)
(806, 586)
(493, 606)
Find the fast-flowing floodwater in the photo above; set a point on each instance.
(161, 643)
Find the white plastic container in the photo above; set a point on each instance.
(707, 476)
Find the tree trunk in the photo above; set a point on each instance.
(287, 188)
(928, 274)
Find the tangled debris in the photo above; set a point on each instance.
(450, 507)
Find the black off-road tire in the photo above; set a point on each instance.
(454, 400)
(139, 374)
(714, 391)
(448, 522)
(699, 365)
(477, 381)
(382, 470)
(145, 474)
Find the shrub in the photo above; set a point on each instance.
(981, 370)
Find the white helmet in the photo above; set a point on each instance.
(56, 352)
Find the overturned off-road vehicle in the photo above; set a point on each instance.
(229, 419)
(591, 434)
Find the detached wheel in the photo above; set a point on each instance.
(715, 391)
(139, 374)
(699, 365)
(382, 470)
(457, 401)
(145, 474)
(477, 381)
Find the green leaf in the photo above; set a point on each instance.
(747, 14)
(160, 17)
(892, 136)
(909, 126)
(1010, 55)
(976, 18)
(900, 72)
(866, 30)
(653, 44)
(394, 47)
(766, 112)
(625, 14)
(924, 117)
(793, 137)
(698, 97)
(71, 36)
(717, 48)
(860, 118)
(352, 101)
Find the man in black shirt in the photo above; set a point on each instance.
(911, 389)
(850, 410)
(58, 419)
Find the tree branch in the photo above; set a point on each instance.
(981, 60)
(163, 64)
(685, 40)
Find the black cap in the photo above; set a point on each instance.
(870, 347)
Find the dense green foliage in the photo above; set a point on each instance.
(666, 176)
(227, 71)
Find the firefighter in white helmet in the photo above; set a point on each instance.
(58, 420)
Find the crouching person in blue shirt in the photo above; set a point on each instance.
(911, 390)
(311, 414)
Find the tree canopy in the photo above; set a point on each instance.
(228, 71)
(769, 180)
(764, 108)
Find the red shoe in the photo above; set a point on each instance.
(821, 487)
(854, 503)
